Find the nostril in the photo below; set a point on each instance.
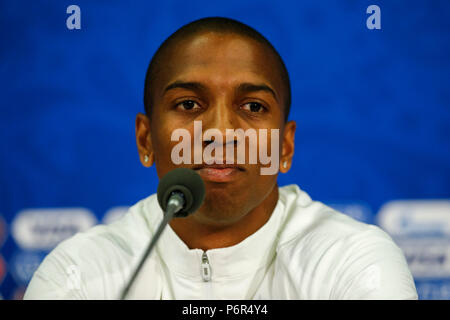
(209, 141)
(234, 141)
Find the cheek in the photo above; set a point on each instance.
(163, 145)
(255, 190)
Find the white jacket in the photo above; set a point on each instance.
(306, 250)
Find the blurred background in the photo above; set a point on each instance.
(372, 108)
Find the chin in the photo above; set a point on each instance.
(220, 209)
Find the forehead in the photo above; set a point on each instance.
(222, 60)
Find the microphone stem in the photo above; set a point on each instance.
(174, 205)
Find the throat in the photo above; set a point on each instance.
(198, 234)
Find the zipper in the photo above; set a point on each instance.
(206, 268)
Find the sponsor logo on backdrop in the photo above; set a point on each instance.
(3, 230)
(433, 290)
(421, 228)
(357, 210)
(43, 229)
(23, 264)
(114, 214)
(19, 292)
(2, 269)
(427, 258)
(430, 218)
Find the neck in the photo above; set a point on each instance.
(197, 235)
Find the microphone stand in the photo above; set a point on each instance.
(175, 204)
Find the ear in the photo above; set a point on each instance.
(143, 140)
(287, 150)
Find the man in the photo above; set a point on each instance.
(250, 239)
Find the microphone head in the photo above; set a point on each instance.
(186, 181)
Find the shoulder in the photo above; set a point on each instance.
(102, 251)
(337, 256)
(125, 236)
(304, 217)
(311, 227)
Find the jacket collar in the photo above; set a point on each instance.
(254, 252)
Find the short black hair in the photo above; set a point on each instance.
(214, 24)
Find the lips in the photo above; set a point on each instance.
(219, 173)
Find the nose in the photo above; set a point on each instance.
(220, 116)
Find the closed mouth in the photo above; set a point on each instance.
(218, 166)
(219, 173)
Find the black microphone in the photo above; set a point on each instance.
(180, 193)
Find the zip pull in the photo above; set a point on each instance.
(206, 268)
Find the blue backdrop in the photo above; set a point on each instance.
(372, 109)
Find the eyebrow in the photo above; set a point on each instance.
(194, 86)
(251, 87)
(242, 88)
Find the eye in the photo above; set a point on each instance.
(188, 105)
(254, 107)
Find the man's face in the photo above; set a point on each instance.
(226, 82)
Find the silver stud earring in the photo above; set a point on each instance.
(285, 164)
(146, 158)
